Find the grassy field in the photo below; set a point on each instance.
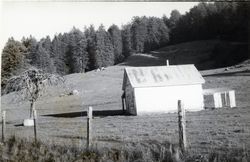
(62, 120)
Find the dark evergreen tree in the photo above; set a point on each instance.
(31, 46)
(219, 20)
(104, 54)
(116, 38)
(157, 34)
(162, 33)
(13, 56)
(59, 50)
(243, 18)
(42, 59)
(90, 34)
(152, 41)
(126, 40)
(139, 33)
(78, 51)
(174, 17)
(166, 20)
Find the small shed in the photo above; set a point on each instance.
(158, 88)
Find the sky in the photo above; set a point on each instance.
(39, 18)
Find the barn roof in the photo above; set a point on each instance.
(156, 76)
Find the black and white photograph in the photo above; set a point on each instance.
(124, 81)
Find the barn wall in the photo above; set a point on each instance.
(164, 99)
(130, 100)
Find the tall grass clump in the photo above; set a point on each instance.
(22, 150)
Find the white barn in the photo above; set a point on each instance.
(158, 88)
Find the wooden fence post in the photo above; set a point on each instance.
(225, 99)
(182, 126)
(232, 98)
(89, 128)
(34, 119)
(3, 125)
(123, 109)
(217, 100)
(167, 62)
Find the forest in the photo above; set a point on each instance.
(78, 51)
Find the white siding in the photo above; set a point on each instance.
(129, 97)
(164, 99)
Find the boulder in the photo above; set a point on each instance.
(75, 92)
(62, 95)
(28, 122)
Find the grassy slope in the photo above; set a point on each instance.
(207, 130)
(197, 52)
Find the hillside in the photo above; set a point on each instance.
(62, 118)
(205, 54)
(94, 85)
(102, 89)
(197, 52)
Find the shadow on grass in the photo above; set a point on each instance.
(84, 138)
(69, 136)
(101, 113)
(236, 73)
(143, 60)
(19, 125)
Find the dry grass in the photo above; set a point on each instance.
(15, 149)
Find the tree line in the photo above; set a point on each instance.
(79, 51)
(219, 20)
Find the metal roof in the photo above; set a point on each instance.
(156, 76)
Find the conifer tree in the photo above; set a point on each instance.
(116, 38)
(13, 56)
(104, 48)
(126, 40)
(78, 47)
(42, 59)
(139, 33)
(90, 35)
(59, 49)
